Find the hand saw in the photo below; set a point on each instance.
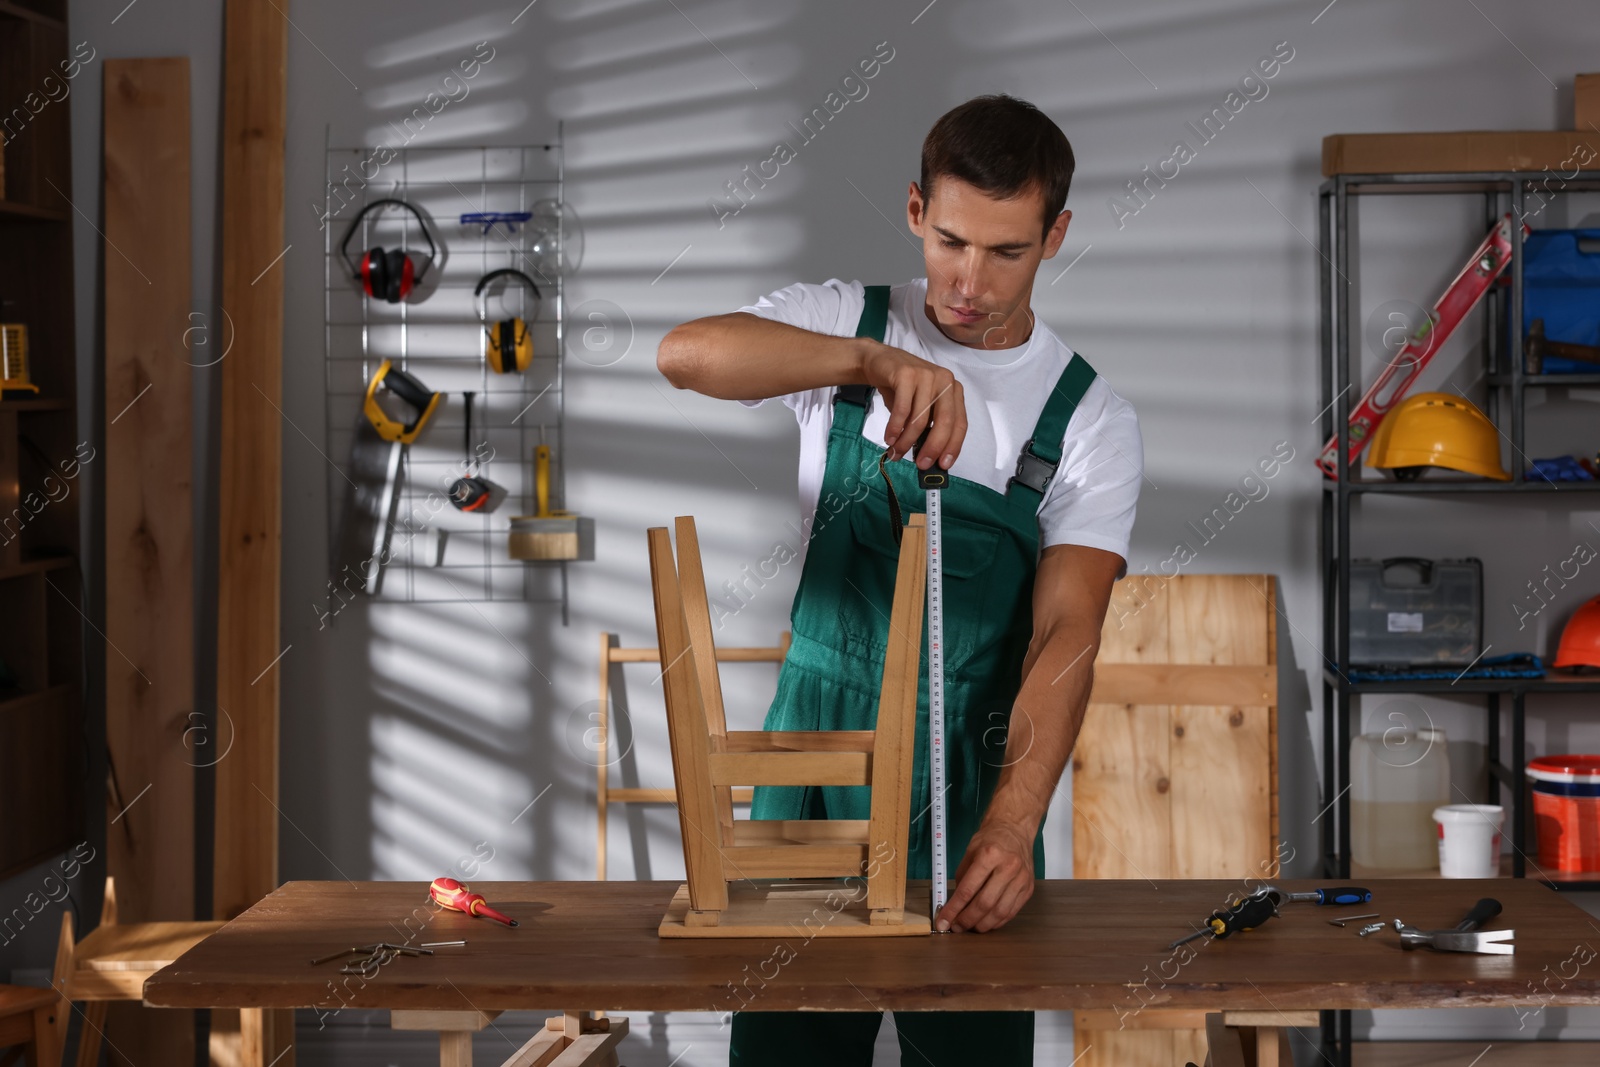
(374, 476)
(1460, 297)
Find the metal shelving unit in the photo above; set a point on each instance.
(440, 554)
(1505, 699)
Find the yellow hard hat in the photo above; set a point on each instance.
(1437, 430)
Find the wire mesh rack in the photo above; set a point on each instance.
(435, 552)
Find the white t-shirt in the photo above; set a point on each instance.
(1091, 499)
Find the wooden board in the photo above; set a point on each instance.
(1185, 788)
(1456, 151)
(249, 524)
(149, 518)
(596, 944)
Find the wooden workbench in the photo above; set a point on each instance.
(1077, 945)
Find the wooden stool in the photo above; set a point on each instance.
(606, 794)
(28, 1019)
(708, 760)
(112, 963)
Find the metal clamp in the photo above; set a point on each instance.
(1033, 471)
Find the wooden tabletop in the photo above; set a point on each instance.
(1077, 945)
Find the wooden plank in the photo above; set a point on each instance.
(249, 521)
(468, 1021)
(1177, 683)
(1219, 756)
(149, 516)
(1120, 764)
(250, 512)
(538, 1051)
(687, 732)
(800, 831)
(664, 796)
(703, 651)
(793, 861)
(789, 768)
(724, 655)
(896, 724)
(799, 741)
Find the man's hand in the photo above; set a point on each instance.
(994, 881)
(920, 395)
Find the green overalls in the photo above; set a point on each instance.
(830, 679)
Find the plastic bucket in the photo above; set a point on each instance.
(1566, 811)
(1469, 840)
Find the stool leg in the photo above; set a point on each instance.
(46, 1048)
(94, 1022)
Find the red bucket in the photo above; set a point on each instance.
(1566, 811)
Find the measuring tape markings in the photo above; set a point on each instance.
(932, 481)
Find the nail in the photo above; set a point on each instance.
(943, 926)
(949, 459)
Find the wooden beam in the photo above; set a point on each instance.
(249, 526)
(1195, 684)
(149, 517)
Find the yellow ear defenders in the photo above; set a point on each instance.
(413, 393)
(510, 342)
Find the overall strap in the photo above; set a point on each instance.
(1037, 462)
(873, 323)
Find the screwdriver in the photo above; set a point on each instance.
(1345, 894)
(1245, 914)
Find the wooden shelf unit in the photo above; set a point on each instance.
(42, 621)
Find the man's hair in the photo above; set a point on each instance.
(1002, 146)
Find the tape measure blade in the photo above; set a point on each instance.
(936, 753)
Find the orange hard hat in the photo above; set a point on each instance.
(1580, 641)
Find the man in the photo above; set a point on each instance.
(1044, 464)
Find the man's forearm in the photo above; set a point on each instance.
(740, 356)
(1045, 721)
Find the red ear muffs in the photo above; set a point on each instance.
(388, 275)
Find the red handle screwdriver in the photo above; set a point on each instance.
(457, 896)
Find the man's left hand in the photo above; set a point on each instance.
(994, 881)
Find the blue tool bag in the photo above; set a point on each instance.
(1561, 285)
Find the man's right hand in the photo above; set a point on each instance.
(920, 396)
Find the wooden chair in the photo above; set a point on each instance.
(708, 759)
(112, 963)
(28, 1026)
(607, 794)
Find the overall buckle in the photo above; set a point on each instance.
(1033, 470)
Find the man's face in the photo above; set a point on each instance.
(981, 255)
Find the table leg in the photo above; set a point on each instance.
(455, 1048)
(266, 1037)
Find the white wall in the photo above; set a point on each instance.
(1201, 309)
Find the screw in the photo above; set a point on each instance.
(1370, 928)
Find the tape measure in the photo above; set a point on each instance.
(932, 481)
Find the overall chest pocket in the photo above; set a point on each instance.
(969, 547)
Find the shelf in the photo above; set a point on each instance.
(1550, 683)
(1547, 380)
(1448, 486)
(28, 212)
(1449, 183)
